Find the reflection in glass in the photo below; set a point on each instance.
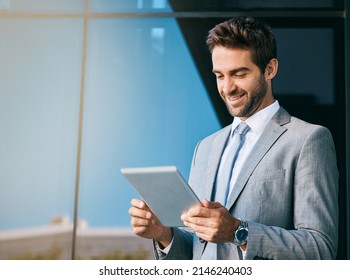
(128, 6)
(145, 105)
(69, 6)
(40, 73)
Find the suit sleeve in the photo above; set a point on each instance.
(181, 248)
(315, 208)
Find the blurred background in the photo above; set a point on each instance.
(90, 86)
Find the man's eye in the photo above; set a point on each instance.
(241, 75)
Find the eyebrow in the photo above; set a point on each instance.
(234, 71)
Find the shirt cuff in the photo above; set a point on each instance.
(162, 253)
(244, 253)
(167, 249)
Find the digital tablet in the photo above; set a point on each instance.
(164, 190)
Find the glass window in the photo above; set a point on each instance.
(40, 78)
(124, 6)
(145, 105)
(42, 5)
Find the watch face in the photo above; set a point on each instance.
(242, 235)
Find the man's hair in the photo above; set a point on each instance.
(245, 33)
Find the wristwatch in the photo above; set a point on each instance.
(241, 234)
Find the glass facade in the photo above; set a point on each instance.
(129, 6)
(39, 109)
(144, 104)
(64, 6)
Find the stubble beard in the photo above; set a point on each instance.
(255, 99)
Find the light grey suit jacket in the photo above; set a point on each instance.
(287, 191)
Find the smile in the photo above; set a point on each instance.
(234, 98)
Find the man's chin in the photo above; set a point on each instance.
(235, 113)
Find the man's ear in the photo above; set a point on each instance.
(271, 69)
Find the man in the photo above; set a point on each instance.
(280, 201)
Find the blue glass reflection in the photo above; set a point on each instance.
(145, 105)
(124, 6)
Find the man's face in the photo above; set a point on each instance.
(241, 85)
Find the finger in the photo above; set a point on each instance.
(197, 222)
(197, 211)
(140, 213)
(139, 203)
(212, 205)
(207, 218)
(208, 233)
(140, 230)
(139, 222)
(204, 212)
(202, 232)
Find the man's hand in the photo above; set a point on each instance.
(211, 221)
(147, 225)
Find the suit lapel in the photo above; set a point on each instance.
(214, 157)
(272, 132)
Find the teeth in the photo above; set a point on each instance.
(235, 97)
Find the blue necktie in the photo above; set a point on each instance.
(222, 185)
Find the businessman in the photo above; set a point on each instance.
(268, 182)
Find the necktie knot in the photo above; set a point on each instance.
(242, 128)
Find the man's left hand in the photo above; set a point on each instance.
(211, 221)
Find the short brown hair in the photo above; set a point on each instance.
(245, 33)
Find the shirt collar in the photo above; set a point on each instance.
(259, 120)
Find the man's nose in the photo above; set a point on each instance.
(228, 85)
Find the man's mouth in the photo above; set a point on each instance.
(234, 98)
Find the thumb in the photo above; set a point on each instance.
(211, 205)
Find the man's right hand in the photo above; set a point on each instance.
(147, 225)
